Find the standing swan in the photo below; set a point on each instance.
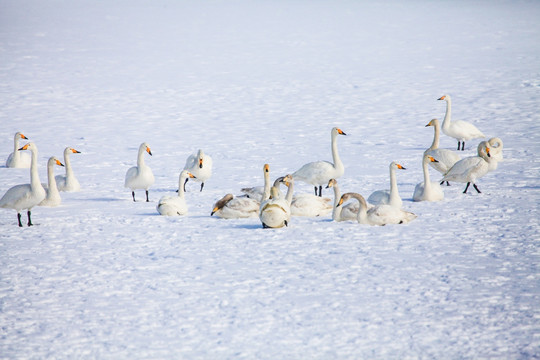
(388, 197)
(69, 181)
(318, 173)
(17, 159)
(200, 165)
(25, 196)
(445, 158)
(53, 196)
(140, 176)
(380, 214)
(469, 169)
(176, 204)
(342, 213)
(458, 129)
(428, 190)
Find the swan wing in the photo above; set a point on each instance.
(379, 197)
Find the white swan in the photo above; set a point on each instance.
(428, 190)
(458, 129)
(231, 207)
(378, 215)
(318, 173)
(25, 196)
(200, 165)
(258, 192)
(388, 197)
(310, 205)
(68, 182)
(53, 196)
(275, 212)
(17, 159)
(345, 212)
(140, 176)
(472, 168)
(175, 204)
(445, 158)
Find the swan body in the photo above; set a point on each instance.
(275, 212)
(318, 173)
(310, 205)
(470, 169)
(428, 190)
(458, 129)
(68, 182)
(140, 177)
(200, 165)
(445, 158)
(231, 207)
(173, 205)
(344, 212)
(25, 196)
(379, 214)
(388, 197)
(18, 159)
(53, 195)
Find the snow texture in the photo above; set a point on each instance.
(255, 82)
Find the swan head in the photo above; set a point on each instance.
(71, 150)
(287, 180)
(266, 168)
(20, 135)
(394, 164)
(445, 98)
(29, 146)
(337, 131)
(347, 196)
(433, 122)
(146, 148)
(221, 203)
(483, 149)
(54, 160)
(331, 183)
(200, 156)
(430, 158)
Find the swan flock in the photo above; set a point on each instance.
(267, 202)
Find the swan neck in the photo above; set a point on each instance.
(335, 155)
(393, 185)
(140, 157)
(266, 191)
(336, 212)
(181, 181)
(436, 137)
(448, 114)
(427, 181)
(289, 195)
(34, 175)
(16, 154)
(362, 210)
(67, 164)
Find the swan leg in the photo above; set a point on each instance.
(447, 183)
(133, 194)
(185, 182)
(202, 185)
(147, 196)
(320, 190)
(466, 187)
(476, 188)
(29, 219)
(286, 223)
(315, 191)
(19, 218)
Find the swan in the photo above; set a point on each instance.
(470, 169)
(379, 214)
(310, 205)
(318, 173)
(140, 176)
(275, 212)
(231, 207)
(346, 212)
(25, 196)
(458, 129)
(388, 197)
(17, 159)
(175, 204)
(428, 190)
(69, 181)
(200, 165)
(259, 192)
(53, 196)
(445, 158)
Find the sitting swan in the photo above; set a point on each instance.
(318, 173)
(69, 181)
(458, 129)
(275, 211)
(200, 165)
(231, 207)
(175, 204)
(472, 168)
(346, 212)
(428, 190)
(18, 159)
(25, 196)
(445, 158)
(388, 197)
(53, 196)
(380, 214)
(140, 176)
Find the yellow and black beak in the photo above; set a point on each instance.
(148, 150)
(25, 147)
(24, 137)
(200, 163)
(442, 97)
(75, 151)
(340, 132)
(59, 163)
(401, 167)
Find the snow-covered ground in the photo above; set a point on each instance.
(254, 82)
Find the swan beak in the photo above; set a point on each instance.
(200, 163)
(340, 132)
(59, 163)
(192, 176)
(442, 97)
(401, 167)
(24, 137)
(24, 147)
(340, 202)
(487, 151)
(432, 159)
(75, 151)
(431, 122)
(148, 151)
(266, 167)
(214, 210)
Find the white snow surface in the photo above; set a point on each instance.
(254, 82)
